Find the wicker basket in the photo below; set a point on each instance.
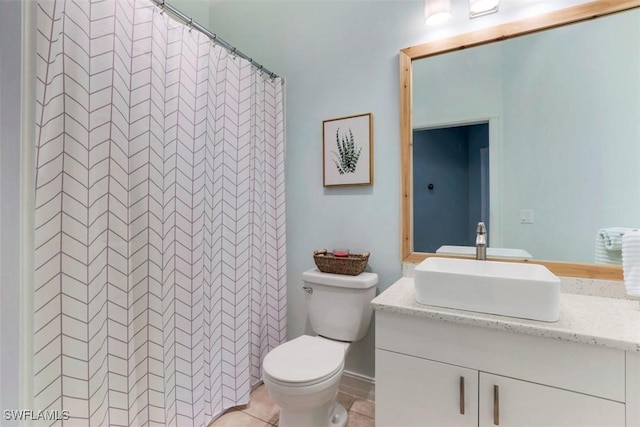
(351, 265)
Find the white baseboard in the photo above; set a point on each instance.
(358, 385)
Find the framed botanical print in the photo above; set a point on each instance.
(347, 150)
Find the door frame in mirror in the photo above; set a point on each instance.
(547, 21)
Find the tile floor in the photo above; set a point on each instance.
(262, 412)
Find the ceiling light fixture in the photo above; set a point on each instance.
(482, 7)
(436, 11)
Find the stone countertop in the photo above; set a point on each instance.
(607, 322)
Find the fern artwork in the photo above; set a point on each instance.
(347, 150)
(346, 158)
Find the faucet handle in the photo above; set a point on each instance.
(481, 229)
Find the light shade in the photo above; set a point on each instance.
(436, 11)
(482, 7)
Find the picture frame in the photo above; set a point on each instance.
(347, 151)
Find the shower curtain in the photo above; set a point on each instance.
(160, 234)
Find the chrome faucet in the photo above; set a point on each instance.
(481, 242)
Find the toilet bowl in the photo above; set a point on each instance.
(302, 376)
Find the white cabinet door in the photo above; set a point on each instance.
(414, 392)
(507, 402)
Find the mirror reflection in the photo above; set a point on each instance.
(450, 185)
(561, 111)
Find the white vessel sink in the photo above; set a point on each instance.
(491, 252)
(522, 290)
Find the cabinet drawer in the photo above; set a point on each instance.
(414, 392)
(589, 369)
(511, 403)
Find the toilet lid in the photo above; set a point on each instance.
(303, 360)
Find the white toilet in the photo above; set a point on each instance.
(303, 375)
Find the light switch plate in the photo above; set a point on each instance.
(526, 216)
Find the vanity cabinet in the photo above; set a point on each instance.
(510, 379)
(420, 392)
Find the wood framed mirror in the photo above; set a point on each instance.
(502, 32)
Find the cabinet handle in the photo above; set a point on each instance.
(496, 405)
(461, 395)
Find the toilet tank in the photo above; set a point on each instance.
(339, 305)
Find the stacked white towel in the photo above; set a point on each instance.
(631, 261)
(609, 245)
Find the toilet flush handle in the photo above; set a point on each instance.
(308, 289)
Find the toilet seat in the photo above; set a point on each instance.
(304, 361)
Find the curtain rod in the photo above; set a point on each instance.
(162, 4)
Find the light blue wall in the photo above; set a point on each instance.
(197, 9)
(445, 93)
(572, 136)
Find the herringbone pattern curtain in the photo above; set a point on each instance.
(160, 237)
